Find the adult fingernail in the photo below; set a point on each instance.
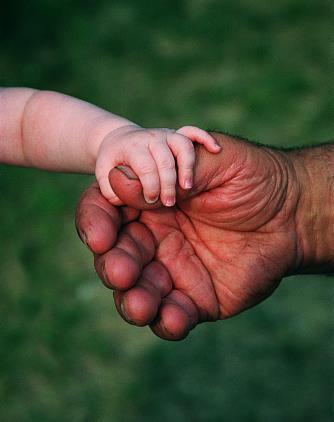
(125, 314)
(83, 236)
(105, 280)
(128, 172)
(165, 329)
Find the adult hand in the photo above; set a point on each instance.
(222, 249)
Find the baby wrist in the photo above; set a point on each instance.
(101, 131)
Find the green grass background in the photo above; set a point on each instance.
(257, 68)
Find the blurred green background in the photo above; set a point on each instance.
(256, 68)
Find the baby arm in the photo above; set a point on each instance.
(52, 131)
(56, 132)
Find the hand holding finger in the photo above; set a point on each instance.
(107, 190)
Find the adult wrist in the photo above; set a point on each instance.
(314, 217)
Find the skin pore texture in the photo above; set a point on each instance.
(253, 216)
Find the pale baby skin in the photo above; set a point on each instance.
(56, 132)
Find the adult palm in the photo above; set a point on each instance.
(224, 247)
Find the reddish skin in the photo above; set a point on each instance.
(222, 249)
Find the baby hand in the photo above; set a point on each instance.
(151, 154)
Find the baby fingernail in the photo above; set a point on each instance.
(113, 198)
(170, 201)
(188, 184)
(151, 200)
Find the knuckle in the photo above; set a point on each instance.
(187, 127)
(166, 192)
(153, 134)
(187, 162)
(188, 169)
(168, 180)
(150, 184)
(167, 164)
(146, 170)
(188, 147)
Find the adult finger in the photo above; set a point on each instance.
(140, 304)
(177, 316)
(127, 185)
(120, 267)
(97, 221)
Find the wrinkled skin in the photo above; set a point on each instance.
(222, 249)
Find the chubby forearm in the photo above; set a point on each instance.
(314, 179)
(52, 131)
